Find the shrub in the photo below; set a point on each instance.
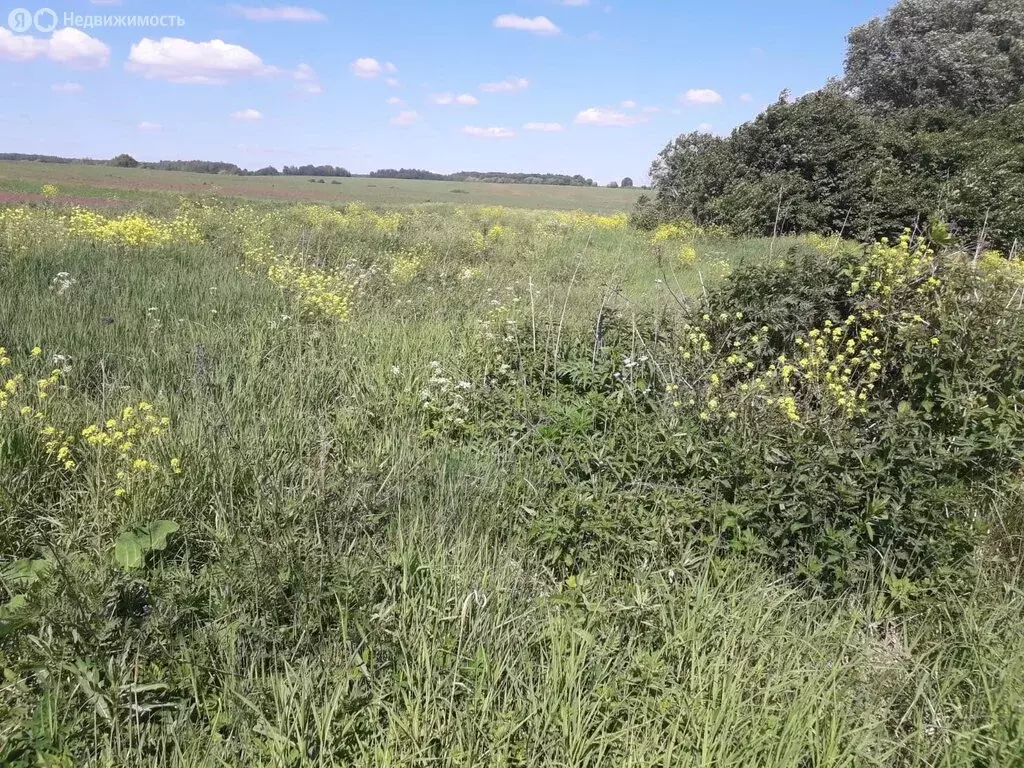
(842, 414)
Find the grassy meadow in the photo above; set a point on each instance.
(132, 186)
(290, 485)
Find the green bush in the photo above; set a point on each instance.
(842, 414)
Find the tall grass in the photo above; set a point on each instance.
(346, 591)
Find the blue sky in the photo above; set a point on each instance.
(566, 86)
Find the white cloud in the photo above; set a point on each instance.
(705, 127)
(539, 25)
(247, 114)
(68, 46)
(746, 98)
(494, 132)
(366, 68)
(369, 68)
(394, 100)
(407, 117)
(392, 81)
(182, 61)
(508, 84)
(602, 116)
(573, 2)
(544, 127)
(465, 99)
(149, 126)
(628, 104)
(278, 13)
(307, 80)
(66, 87)
(651, 110)
(702, 96)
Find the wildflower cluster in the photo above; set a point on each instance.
(24, 399)
(22, 228)
(319, 291)
(132, 230)
(886, 266)
(124, 450)
(128, 446)
(444, 402)
(407, 265)
(354, 216)
(484, 242)
(679, 231)
(581, 220)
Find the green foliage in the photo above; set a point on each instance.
(124, 161)
(132, 546)
(727, 426)
(357, 590)
(927, 124)
(928, 53)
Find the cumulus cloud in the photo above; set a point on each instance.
(494, 132)
(144, 126)
(407, 117)
(508, 84)
(543, 127)
(183, 61)
(746, 98)
(539, 25)
(705, 127)
(247, 114)
(602, 116)
(702, 96)
(465, 99)
(66, 87)
(651, 110)
(369, 68)
(67, 46)
(628, 104)
(278, 13)
(394, 100)
(392, 81)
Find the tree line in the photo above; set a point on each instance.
(218, 167)
(927, 123)
(494, 177)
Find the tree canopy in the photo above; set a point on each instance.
(929, 53)
(911, 133)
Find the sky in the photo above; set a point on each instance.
(547, 86)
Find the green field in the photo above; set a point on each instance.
(133, 184)
(301, 486)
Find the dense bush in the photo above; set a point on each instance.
(842, 414)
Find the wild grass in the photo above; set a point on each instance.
(345, 589)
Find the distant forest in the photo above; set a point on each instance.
(209, 166)
(497, 177)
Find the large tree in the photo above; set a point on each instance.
(965, 54)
